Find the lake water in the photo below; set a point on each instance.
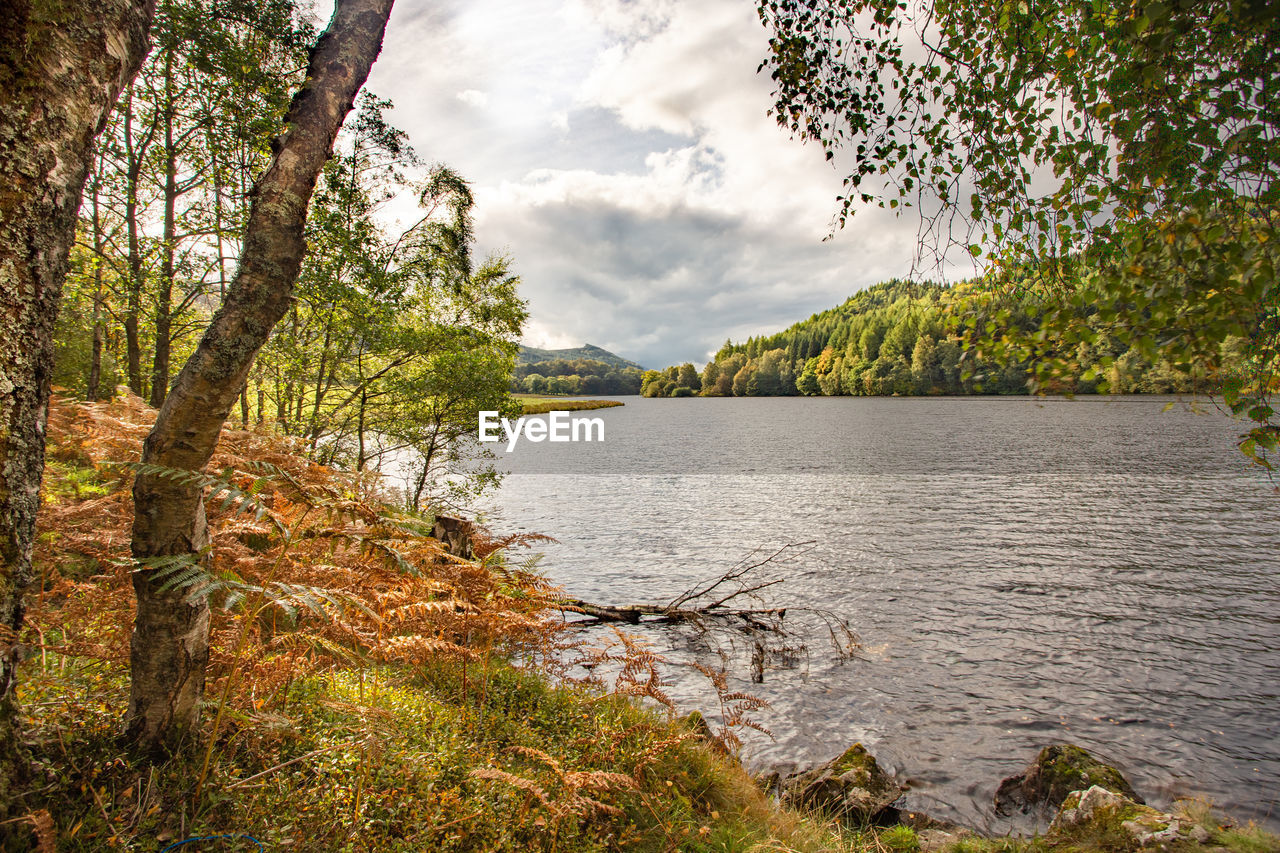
(1019, 571)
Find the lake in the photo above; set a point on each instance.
(1019, 571)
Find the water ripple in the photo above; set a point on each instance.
(1020, 572)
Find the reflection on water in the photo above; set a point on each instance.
(1020, 572)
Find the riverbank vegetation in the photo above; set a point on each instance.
(371, 692)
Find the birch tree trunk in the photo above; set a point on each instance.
(168, 251)
(169, 649)
(62, 66)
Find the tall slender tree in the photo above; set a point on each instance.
(62, 66)
(170, 643)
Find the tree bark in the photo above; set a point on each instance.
(164, 298)
(99, 330)
(170, 644)
(62, 66)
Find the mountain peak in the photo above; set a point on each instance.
(533, 355)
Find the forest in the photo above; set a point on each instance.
(579, 376)
(910, 338)
(396, 335)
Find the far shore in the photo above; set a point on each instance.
(540, 404)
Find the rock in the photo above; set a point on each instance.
(1057, 771)
(1083, 807)
(851, 787)
(932, 840)
(1096, 812)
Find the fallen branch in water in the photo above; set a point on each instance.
(633, 614)
(716, 605)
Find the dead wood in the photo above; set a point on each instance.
(734, 602)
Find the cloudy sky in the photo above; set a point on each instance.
(622, 155)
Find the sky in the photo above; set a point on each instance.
(622, 156)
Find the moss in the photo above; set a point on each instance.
(1065, 768)
(856, 759)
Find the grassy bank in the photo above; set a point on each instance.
(533, 405)
(447, 756)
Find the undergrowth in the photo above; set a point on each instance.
(366, 689)
(449, 756)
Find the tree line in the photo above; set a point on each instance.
(575, 376)
(910, 338)
(394, 337)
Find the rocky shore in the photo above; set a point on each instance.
(1088, 804)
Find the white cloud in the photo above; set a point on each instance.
(473, 97)
(625, 161)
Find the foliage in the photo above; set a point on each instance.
(396, 340)
(676, 381)
(165, 207)
(574, 376)
(920, 338)
(1123, 154)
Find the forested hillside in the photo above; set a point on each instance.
(589, 352)
(921, 338)
(583, 370)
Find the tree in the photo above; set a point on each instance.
(768, 374)
(807, 384)
(710, 377)
(688, 378)
(169, 649)
(62, 66)
(1123, 156)
(926, 371)
(650, 383)
(167, 198)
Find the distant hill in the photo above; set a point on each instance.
(533, 355)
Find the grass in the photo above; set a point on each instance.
(380, 705)
(539, 405)
(453, 756)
